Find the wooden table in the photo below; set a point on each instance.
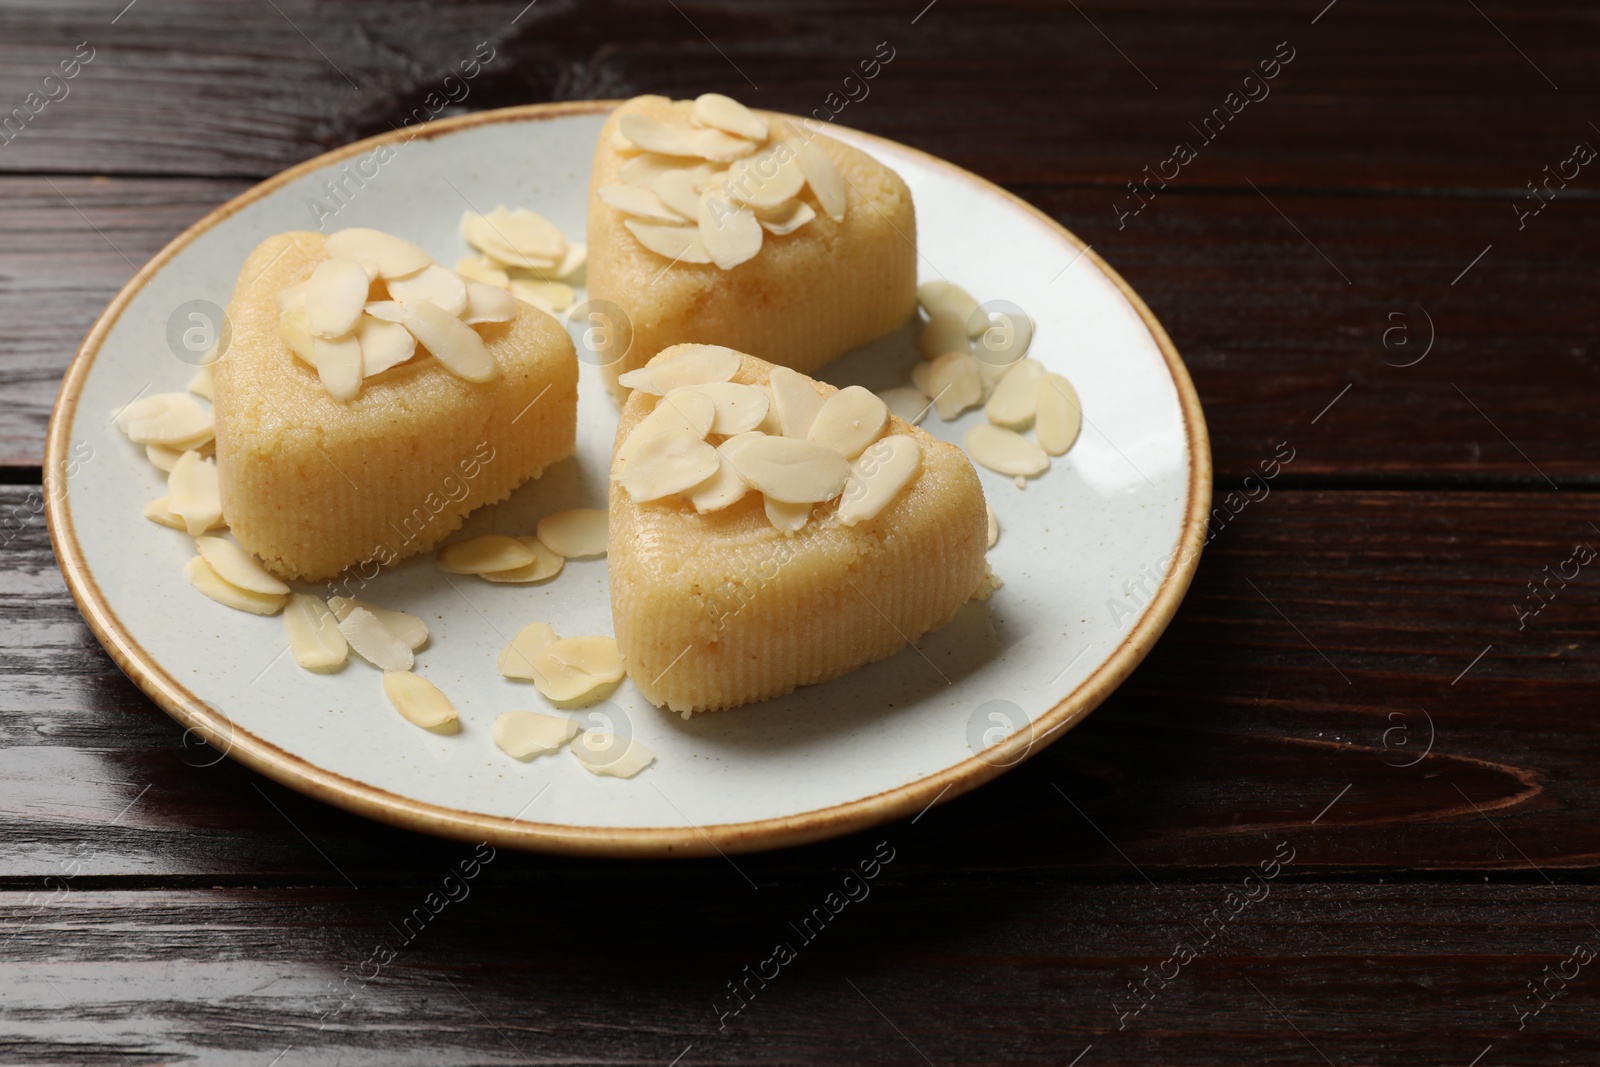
(1356, 702)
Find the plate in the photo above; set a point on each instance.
(1095, 555)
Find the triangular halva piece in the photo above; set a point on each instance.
(713, 224)
(357, 450)
(769, 531)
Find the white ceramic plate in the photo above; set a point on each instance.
(1095, 554)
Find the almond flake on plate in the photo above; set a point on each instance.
(162, 457)
(1005, 451)
(213, 585)
(883, 470)
(313, 634)
(547, 296)
(1016, 398)
(727, 114)
(953, 380)
(483, 555)
(526, 734)
(158, 511)
(943, 296)
(528, 233)
(419, 701)
(516, 659)
(605, 753)
(374, 642)
(237, 567)
(204, 382)
(481, 268)
(849, 421)
(1059, 416)
(171, 419)
(193, 494)
(395, 257)
(994, 524)
(407, 628)
(577, 533)
(546, 565)
(574, 671)
(482, 234)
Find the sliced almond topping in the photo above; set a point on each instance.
(953, 381)
(456, 344)
(1005, 451)
(528, 233)
(643, 170)
(373, 641)
(794, 217)
(546, 565)
(687, 410)
(157, 511)
(407, 628)
(681, 244)
(668, 463)
(640, 203)
(192, 493)
(732, 235)
(792, 471)
(205, 380)
(482, 233)
(727, 114)
(237, 567)
(1060, 414)
(849, 421)
(170, 419)
(787, 519)
(577, 533)
(293, 298)
(574, 671)
(516, 659)
(313, 634)
(203, 578)
(680, 189)
(383, 345)
(335, 296)
(395, 257)
(907, 403)
(723, 488)
(435, 284)
(387, 310)
(526, 734)
(547, 296)
(481, 268)
(994, 524)
(672, 140)
(768, 179)
(419, 701)
(488, 303)
(1016, 398)
(796, 398)
(339, 366)
(826, 183)
(945, 331)
(877, 477)
(687, 365)
(483, 555)
(295, 329)
(739, 407)
(605, 753)
(162, 457)
(943, 296)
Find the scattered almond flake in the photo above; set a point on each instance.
(546, 565)
(576, 256)
(486, 303)
(395, 257)
(483, 555)
(883, 470)
(994, 524)
(796, 216)
(548, 296)
(681, 244)
(739, 407)
(204, 381)
(406, 627)
(1016, 398)
(157, 511)
(787, 519)
(943, 332)
(797, 400)
(339, 366)
(723, 488)
(672, 140)
(516, 659)
(1060, 415)
(680, 190)
(293, 298)
(574, 671)
(768, 179)
(435, 284)
(668, 463)
(577, 533)
(953, 381)
(419, 701)
(790, 470)
(604, 753)
(1004, 336)
(162, 457)
(827, 185)
(192, 493)
(295, 329)
(383, 345)
(313, 634)
(203, 578)
(727, 114)
(991, 373)
(335, 296)
(481, 233)
(374, 642)
(387, 310)
(237, 567)
(170, 419)
(481, 268)
(849, 421)
(987, 584)
(1020, 482)
(526, 734)
(452, 342)
(689, 411)
(732, 235)
(1005, 451)
(528, 233)
(905, 402)
(687, 365)
(640, 203)
(943, 296)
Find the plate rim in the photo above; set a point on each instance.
(361, 798)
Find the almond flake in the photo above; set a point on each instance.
(905, 402)
(516, 659)
(573, 260)
(790, 470)
(605, 753)
(787, 519)
(387, 310)
(795, 217)
(339, 366)
(687, 410)
(849, 421)
(204, 382)
(723, 488)
(395, 257)
(823, 177)
(643, 170)
(171, 419)
(158, 511)
(1016, 398)
(578, 533)
(484, 555)
(1005, 451)
(293, 298)
(203, 578)
(192, 493)
(739, 407)
(687, 365)
(732, 235)
(671, 140)
(574, 671)
(335, 296)
(727, 114)
(237, 567)
(525, 734)
(999, 336)
(547, 296)
(945, 331)
(435, 284)
(668, 463)
(943, 296)
(953, 381)
(373, 641)
(1060, 414)
(407, 628)
(994, 524)
(419, 701)
(487, 303)
(680, 190)
(991, 373)
(383, 345)
(481, 268)
(640, 203)
(313, 634)
(546, 565)
(796, 398)
(528, 233)
(768, 179)
(162, 457)
(482, 234)
(454, 343)
(681, 244)
(883, 470)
